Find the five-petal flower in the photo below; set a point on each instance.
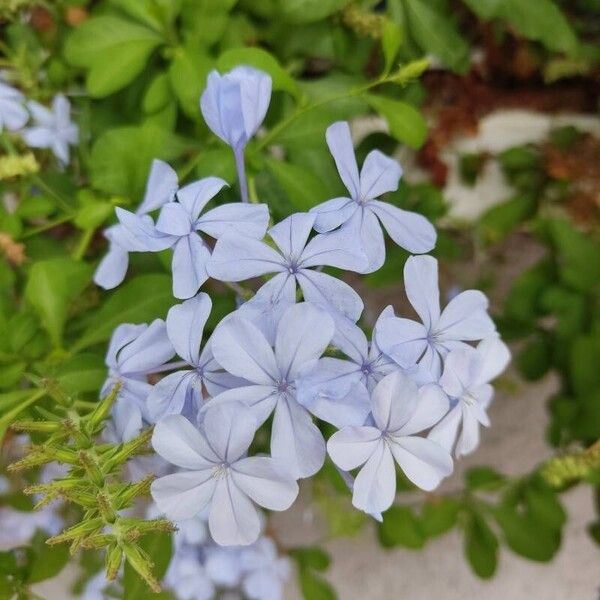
(218, 474)
(13, 115)
(303, 333)
(361, 212)
(53, 128)
(400, 410)
(466, 377)
(237, 258)
(465, 318)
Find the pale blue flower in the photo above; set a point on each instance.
(400, 410)
(337, 390)
(218, 475)
(13, 115)
(186, 576)
(134, 352)
(178, 224)
(466, 377)
(181, 392)
(303, 333)
(237, 258)
(265, 571)
(465, 318)
(52, 128)
(160, 189)
(19, 526)
(361, 212)
(233, 106)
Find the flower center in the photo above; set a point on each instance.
(469, 399)
(292, 266)
(283, 386)
(367, 369)
(220, 471)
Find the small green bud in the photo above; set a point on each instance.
(40, 426)
(142, 564)
(78, 531)
(132, 491)
(102, 410)
(114, 557)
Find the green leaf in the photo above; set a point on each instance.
(81, 373)
(51, 287)
(523, 299)
(120, 158)
(158, 546)
(158, 14)
(314, 587)
(308, 11)
(435, 32)
(535, 359)
(311, 557)
(483, 478)
(539, 20)
(92, 214)
(260, 59)
(526, 536)
(113, 50)
(406, 123)
(187, 74)
(584, 373)
(218, 162)
(47, 561)
(205, 21)
(140, 300)
(497, 222)
(304, 189)
(439, 516)
(480, 546)
(158, 94)
(543, 504)
(401, 527)
(391, 40)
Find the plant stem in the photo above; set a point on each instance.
(240, 166)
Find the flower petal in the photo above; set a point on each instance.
(185, 326)
(152, 348)
(233, 519)
(190, 258)
(112, 268)
(375, 485)
(181, 444)
(303, 334)
(183, 495)
(423, 461)
(340, 145)
(409, 230)
(403, 340)
(160, 187)
(172, 394)
(333, 213)
(432, 405)
(291, 234)
(330, 293)
(445, 432)
(260, 399)
(495, 357)
(265, 482)
(352, 446)
(337, 249)
(195, 196)
(394, 401)
(246, 219)
(229, 429)
(240, 348)
(379, 174)
(465, 318)
(421, 284)
(295, 440)
(237, 257)
(174, 219)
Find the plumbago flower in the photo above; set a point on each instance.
(399, 410)
(219, 476)
(181, 392)
(338, 390)
(465, 318)
(233, 106)
(303, 333)
(404, 397)
(466, 377)
(361, 213)
(237, 258)
(160, 189)
(13, 115)
(180, 220)
(52, 128)
(134, 352)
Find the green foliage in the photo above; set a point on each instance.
(311, 561)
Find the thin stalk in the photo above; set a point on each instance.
(240, 166)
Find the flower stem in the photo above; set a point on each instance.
(241, 172)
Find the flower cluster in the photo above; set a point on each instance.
(51, 127)
(292, 355)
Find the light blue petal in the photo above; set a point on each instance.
(339, 141)
(160, 187)
(190, 258)
(185, 325)
(174, 220)
(177, 393)
(236, 258)
(333, 213)
(150, 349)
(379, 174)
(112, 268)
(195, 196)
(291, 234)
(141, 235)
(337, 249)
(330, 293)
(246, 219)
